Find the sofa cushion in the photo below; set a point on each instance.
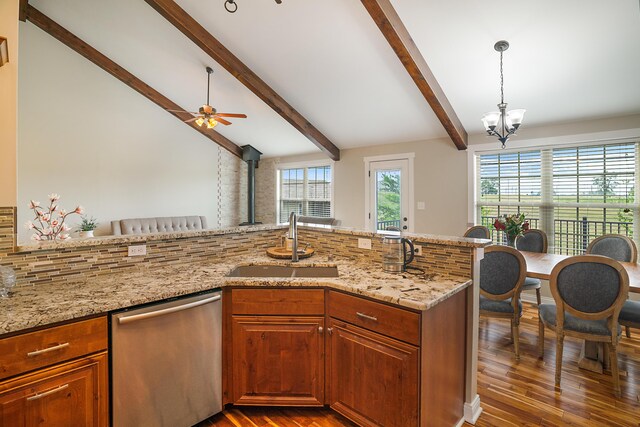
(158, 225)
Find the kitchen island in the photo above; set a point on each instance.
(435, 358)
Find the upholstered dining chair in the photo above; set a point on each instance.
(589, 291)
(624, 249)
(502, 273)
(478, 232)
(532, 241)
(616, 246)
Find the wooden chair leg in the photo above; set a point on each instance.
(613, 354)
(540, 338)
(515, 331)
(559, 348)
(538, 297)
(627, 330)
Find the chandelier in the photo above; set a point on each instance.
(502, 124)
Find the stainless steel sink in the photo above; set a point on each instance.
(282, 271)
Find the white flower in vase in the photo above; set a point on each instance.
(29, 225)
(33, 204)
(53, 197)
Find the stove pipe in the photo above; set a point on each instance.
(251, 156)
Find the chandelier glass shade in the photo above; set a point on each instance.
(502, 123)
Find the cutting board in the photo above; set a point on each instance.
(283, 253)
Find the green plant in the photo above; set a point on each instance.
(88, 224)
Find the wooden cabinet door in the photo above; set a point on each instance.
(373, 379)
(73, 394)
(278, 360)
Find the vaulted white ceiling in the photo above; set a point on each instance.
(568, 61)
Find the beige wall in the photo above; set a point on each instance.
(440, 182)
(92, 139)
(8, 103)
(566, 129)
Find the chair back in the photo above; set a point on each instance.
(478, 232)
(532, 241)
(616, 246)
(502, 273)
(590, 287)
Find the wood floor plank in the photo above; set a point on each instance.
(513, 393)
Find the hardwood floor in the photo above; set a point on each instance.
(277, 417)
(512, 393)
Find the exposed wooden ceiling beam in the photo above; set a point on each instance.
(203, 39)
(22, 11)
(57, 31)
(388, 21)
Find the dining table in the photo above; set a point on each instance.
(540, 265)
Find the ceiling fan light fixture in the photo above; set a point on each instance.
(211, 123)
(200, 121)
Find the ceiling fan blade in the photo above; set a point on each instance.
(191, 120)
(223, 121)
(238, 116)
(182, 111)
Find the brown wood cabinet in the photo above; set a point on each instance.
(385, 365)
(374, 379)
(70, 388)
(278, 360)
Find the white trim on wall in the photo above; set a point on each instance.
(514, 145)
(300, 165)
(367, 188)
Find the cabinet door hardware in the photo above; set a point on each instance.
(47, 393)
(365, 316)
(47, 350)
(330, 331)
(320, 330)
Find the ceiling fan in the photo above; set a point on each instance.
(207, 115)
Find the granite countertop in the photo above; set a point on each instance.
(141, 238)
(34, 306)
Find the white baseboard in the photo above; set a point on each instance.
(527, 297)
(460, 423)
(472, 410)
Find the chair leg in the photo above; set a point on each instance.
(515, 332)
(559, 348)
(613, 355)
(540, 339)
(538, 297)
(627, 330)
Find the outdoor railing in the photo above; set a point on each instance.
(382, 225)
(571, 236)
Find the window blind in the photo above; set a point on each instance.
(573, 194)
(305, 191)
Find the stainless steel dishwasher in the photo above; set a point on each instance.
(166, 362)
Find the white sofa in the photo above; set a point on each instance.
(158, 225)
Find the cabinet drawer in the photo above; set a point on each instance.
(23, 353)
(278, 301)
(393, 322)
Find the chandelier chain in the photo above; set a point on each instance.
(501, 81)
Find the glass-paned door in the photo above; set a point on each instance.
(389, 189)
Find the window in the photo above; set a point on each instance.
(305, 191)
(573, 194)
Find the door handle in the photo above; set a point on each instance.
(47, 393)
(47, 350)
(366, 316)
(136, 317)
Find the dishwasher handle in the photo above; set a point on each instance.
(136, 317)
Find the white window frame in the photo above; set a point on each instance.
(368, 221)
(301, 165)
(515, 145)
(583, 140)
